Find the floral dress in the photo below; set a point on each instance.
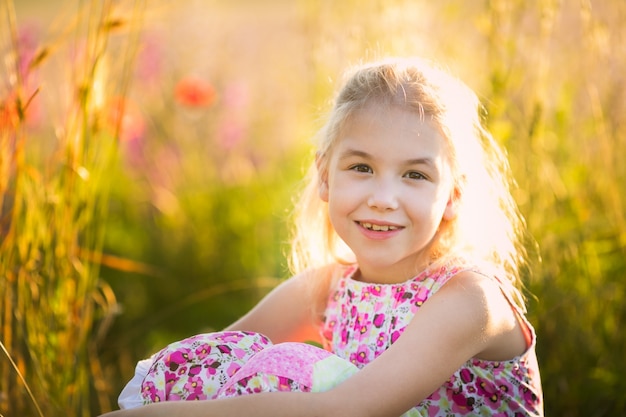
(362, 320)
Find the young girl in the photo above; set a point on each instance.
(407, 252)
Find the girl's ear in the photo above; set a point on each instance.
(451, 208)
(322, 177)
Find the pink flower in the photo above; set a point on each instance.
(177, 358)
(466, 376)
(462, 404)
(421, 296)
(211, 368)
(360, 357)
(504, 386)
(376, 289)
(194, 388)
(399, 294)
(170, 380)
(382, 339)
(362, 323)
(224, 349)
(203, 351)
(149, 391)
(195, 370)
(529, 396)
(379, 319)
(489, 391)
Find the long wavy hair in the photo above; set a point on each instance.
(488, 229)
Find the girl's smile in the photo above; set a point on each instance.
(388, 187)
(377, 230)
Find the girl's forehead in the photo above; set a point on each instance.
(390, 128)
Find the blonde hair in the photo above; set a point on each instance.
(488, 228)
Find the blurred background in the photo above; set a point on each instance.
(151, 152)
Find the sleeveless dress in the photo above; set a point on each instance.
(362, 320)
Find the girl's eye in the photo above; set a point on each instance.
(361, 168)
(414, 175)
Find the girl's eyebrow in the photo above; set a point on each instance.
(349, 153)
(421, 161)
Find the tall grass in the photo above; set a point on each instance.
(556, 100)
(54, 200)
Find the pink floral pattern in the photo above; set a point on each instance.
(363, 320)
(229, 364)
(197, 367)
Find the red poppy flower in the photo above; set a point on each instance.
(194, 92)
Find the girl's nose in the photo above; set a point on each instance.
(383, 196)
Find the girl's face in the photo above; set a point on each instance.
(388, 187)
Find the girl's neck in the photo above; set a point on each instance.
(372, 276)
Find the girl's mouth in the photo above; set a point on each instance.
(378, 227)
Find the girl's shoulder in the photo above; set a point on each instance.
(483, 289)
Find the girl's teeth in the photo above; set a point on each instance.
(377, 227)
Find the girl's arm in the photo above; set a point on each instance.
(286, 314)
(466, 318)
(278, 404)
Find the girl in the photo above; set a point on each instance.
(407, 251)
